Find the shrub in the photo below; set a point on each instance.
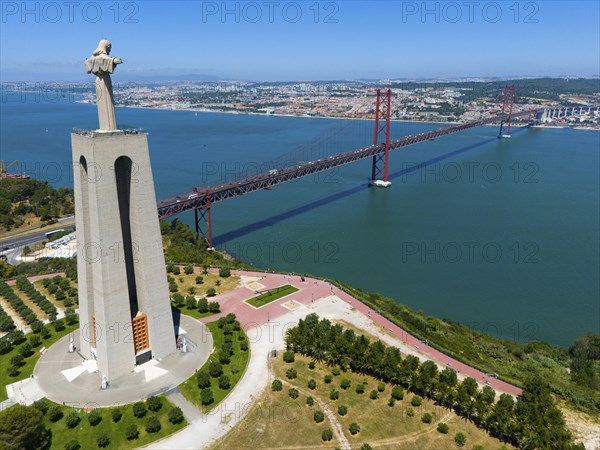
(17, 360)
(224, 272)
(318, 416)
(37, 326)
(354, 428)
(199, 279)
(35, 340)
(55, 413)
(202, 305)
(244, 345)
(152, 424)
(131, 432)
(328, 379)
(381, 387)
(176, 270)
(397, 393)
(72, 419)
(366, 446)
(214, 307)
(175, 415)
(360, 388)
(374, 394)
(139, 409)
(443, 428)
(410, 412)
(416, 400)
(12, 371)
(312, 384)
(210, 292)
(42, 405)
(311, 365)
(327, 435)
(73, 444)
(58, 325)
(345, 384)
(276, 385)
(335, 371)
(95, 417)
(391, 402)
(289, 356)
(293, 393)
(426, 418)
(224, 382)
(189, 269)
(460, 439)
(310, 401)
(334, 394)
(25, 349)
(154, 403)
(103, 441)
(342, 410)
(206, 396)
(291, 373)
(116, 414)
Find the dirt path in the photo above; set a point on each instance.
(17, 319)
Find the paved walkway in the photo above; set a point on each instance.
(189, 410)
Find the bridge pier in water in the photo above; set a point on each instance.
(382, 130)
(202, 214)
(509, 96)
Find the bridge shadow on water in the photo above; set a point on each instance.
(269, 221)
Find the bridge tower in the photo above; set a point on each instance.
(202, 214)
(509, 96)
(382, 131)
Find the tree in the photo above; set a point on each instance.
(381, 387)
(224, 382)
(154, 403)
(342, 410)
(206, 396)
(178, 299)
(460, 439)
(25, 350)
(426, 418)
(189, 269)
(190, 302)
(318, 416)
(291, 374)
(131, 432)
(210, 292)
(310, 401)
(55, 413)
(416, 400)
(366, 446)
(94, 417)
(176, 270)
(374, 394)
(73, 444)
(360, 388)
(293, 393)
(73, 419)
(443, 428)
(139, 409)
(354, 428)
(345, 384)
(202, 305)
(289, 356)
(203, 379)
(327, 435)
(175, 415)
(391, 402)
(224, 272)
(214, 307)
(152, 424)
(22, 428)
(35, 340)
(42, 405)
(312, 384)
(334, 394)
(276, 386)
(116, 414)
(199, 279)
(215, 369)
(103, 440)
(328, 378)
(17, 360)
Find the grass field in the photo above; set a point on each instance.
(269, 423)
(87, 435)
(234, 370)
(26, 370)
(271, 295)
(186, 282)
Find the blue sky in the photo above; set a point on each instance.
(281, 40)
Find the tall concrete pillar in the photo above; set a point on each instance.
(124, 306)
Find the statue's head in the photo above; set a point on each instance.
(103, 48)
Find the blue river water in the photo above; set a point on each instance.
(502, 235)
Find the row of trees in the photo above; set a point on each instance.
(25, 286)
(17, 304)
(190, 302)
(61, 289)
(534, 421)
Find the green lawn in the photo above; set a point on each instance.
(86, 434)
(26, 369)
(234, 370)
(271, 295)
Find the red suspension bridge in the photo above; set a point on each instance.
(201, 200)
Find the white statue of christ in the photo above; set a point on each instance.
(102, 65)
